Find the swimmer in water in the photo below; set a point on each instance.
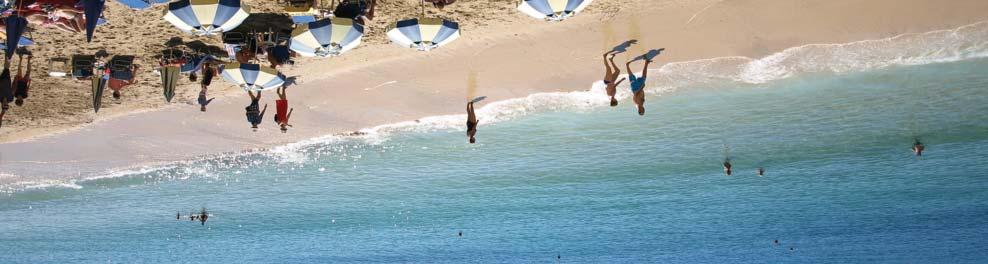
(727, 167)
(918, 148)
(471, 123)
(761, 171)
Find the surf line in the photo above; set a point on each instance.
(379, 85)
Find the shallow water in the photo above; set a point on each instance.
(593, 185)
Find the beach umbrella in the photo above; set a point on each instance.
(93, 10)
(99, 84)
(553, 10)
(252, 77)
(169, 78)
(206, 17)
(15, 29)
(326, 37)
(424, 33)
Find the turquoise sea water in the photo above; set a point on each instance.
(590, 186)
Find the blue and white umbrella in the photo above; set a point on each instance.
(326, 37)
(206, 17)
(424, 33)
(553, 10)
(252, 77)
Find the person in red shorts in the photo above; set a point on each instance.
(283, 113)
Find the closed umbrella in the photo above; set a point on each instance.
(326, 37)
(99, 84)
(252, 77)
(93, 10)
(424, 33)
(206, 17)
(15, 29)
(553, 10)
(169, 78)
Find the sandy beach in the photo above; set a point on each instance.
(56, 137)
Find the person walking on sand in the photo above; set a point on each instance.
(22, 83)
(6, 91)
(638, 85)
(472, 121)
(727, 166)
(610, 76)
(208, 72)
(918, 148)
(253, 115)
(282, 113)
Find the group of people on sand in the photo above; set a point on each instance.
(14, 90)
(637, 83)
(255, 114)
(65, 15)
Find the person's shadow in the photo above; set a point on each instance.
(623, 47)
(651, 54)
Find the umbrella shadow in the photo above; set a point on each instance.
(266, 22)
(623, 47)
(197, 46)
(651, 54)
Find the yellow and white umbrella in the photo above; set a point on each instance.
(553, 10)
(252, 77)
(206, 17)
(326, 37)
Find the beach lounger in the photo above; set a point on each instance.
(121, 67)
(141, 4)
(234, 38)
(301, 11)
(58, 67)
(82, 66)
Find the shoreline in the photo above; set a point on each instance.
(122, 142)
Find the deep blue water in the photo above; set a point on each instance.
(591, 186)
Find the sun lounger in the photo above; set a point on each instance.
(82, 66)
(58, 67)
(121, 67)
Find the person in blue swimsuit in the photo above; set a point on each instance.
(638, 85)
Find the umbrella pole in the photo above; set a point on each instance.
(422, 5)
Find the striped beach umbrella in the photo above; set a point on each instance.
(169, 79)
(206, 17)
(326, 37)
(553, 10)
(252, 77)
(424, 33)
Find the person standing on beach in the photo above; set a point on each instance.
(208, 72)
(471, 123)
(282, 113)
(638, 84)
(253, 115)
(918, 148)
(22, 83)
(610, 75)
